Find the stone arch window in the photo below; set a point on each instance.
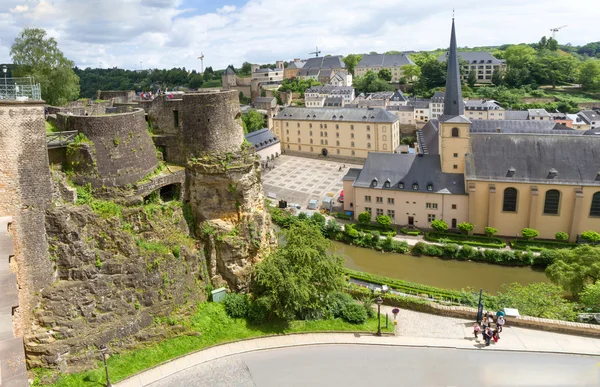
(383, 129)
(369, 145)
(310, 133)
(352, 153)
(287, 124)
(415, 186)
(351, 127)
(321, 134)
(351, 135)
(429, 186)
(299, 140)
(298, 124)
(311, 148)
(337, 143)
(287, 131)
(337, 151)
(368, 136)
(509, 203)
(325, 126)
(311, 141)
(384, 146)
(321, 125)
(352, 144)
(384, 138)
(337, 126)
(310, 126)
(325, 134)
(455, 132)
(552, 202)
(368, 127)
(337, 134)
(595, 208)
(298, 132)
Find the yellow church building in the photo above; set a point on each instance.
(505, 174)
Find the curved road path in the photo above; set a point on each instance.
(360, 365)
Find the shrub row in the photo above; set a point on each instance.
(343, 215)
(470, 240)
(406, 231)
(368, 228)
(468, 253)
(522, 244)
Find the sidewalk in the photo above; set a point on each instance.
(414, 329)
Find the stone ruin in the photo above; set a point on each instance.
(82, 279)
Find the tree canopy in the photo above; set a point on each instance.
(351, 61)
(38, 56)
(371, 83)
(253, 121)
(576, 268)
(385, 74)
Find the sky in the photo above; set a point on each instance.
(136, 34)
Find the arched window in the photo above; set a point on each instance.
(384, 146)
(368, 136)
(337, 126)
(298, 125)
(337, 151)
(325, 126)
(383, 129)
(454, 132)
(509, 203)
(337, 134)
(299, 140)
(310, 126)
(368, 127)
(595, 208)
(384, 138)
(298, 132)
(352, 153)
(325, 134)
(337, 143)
(321, 141)
(369, 145)
(352, 144)
(351, 135)
(311, 141)
(552, 202)
(374, 183)
(321, 134)
(310, 133)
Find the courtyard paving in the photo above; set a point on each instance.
(298, 179)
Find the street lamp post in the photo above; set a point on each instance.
(379, 302)
(4, 69)
(103, 349)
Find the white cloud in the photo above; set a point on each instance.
(20, 9)
(261, 31)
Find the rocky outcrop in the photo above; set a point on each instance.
(113, 276)
(225, 194)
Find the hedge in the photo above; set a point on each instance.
(406, 231)
(523, 244)
(471, 240)
(368, 228)
(468, 253)
(343, 215)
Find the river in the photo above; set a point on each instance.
(438, 272)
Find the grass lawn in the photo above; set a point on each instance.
(575, 93)
(50, 127)
(214, 327)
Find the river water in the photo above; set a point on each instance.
(438, 272)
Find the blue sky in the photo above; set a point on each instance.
(173, 33)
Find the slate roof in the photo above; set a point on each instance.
(399, 96)
(589, 116)
(576, 158)
(521, 126)
(267, 70)
(408, 169)
(262, 138)
(482, 104)
(474, 57)
(516, 115)
(352, 174)
(296, 65)
(453, 99)
(229, 71)
(419, 104)
(334, 101)
(407, 108)
(325, 62)
(538, 113)
(339, 114)
(381, 95)
(384, 60)
(428, 138)
(438, 97)
(264, 99)
(334, 90)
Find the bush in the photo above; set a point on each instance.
(450, 250)
(462, 239)
(258, 310)
(236, 305)
(336, 303)
(384, 221)
(302, 216)
(364, 217)
(465, 227)
(318, 218)
(561, 236)
(490, 231)
(591, 236)
(434, 251)
(419, 248)
(529, 233)
(439, 225)
(350, 231)
(537, 245)
(466, 253)
(370, 228)
(354, 313)
(400, 247)
(343, 215)
(545, 259)
(406, 231)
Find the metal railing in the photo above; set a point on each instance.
(60, 139)
(17, 89)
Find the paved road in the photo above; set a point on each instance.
(356, 365)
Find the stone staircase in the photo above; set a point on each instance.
(13, 372)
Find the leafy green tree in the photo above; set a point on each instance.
(529, 233)
(351, 60)
(497, 77)
(297, 85)
(519, 56)
(421, 57)
(490, 231)
(561, 236)
(364, 217)
(465, 227)
(253, 121)
(297, 279)
(590, 297)
(439, 225)
(589, 75)
(433, 74)
(573, 269)
(472, 79)
(38, 56)
(385, 74)
(411, 72)
(384, 220)
(246, 68)
(590, 49)
(591, 236)
(371, 83)
(536, 300)
(516, 77)
(552, 68)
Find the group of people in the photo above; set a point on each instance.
(486, 330)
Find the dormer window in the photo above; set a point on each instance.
(415, 186)
(511, 172)
(374, 183)
(598, 176)
(387, 183)
(401, 185)
(429, 186)
(552, 173)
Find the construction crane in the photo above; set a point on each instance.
(317, 52)
(201, 57)
(555, 30)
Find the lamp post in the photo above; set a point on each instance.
(103, 349)
(4, 69)
(379, 302)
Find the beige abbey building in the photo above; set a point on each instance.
(337, 131)
(506, 174)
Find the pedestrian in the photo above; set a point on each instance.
(490, 319)
(500, 323)
(495, 335)
(476, 329)
(487, 336)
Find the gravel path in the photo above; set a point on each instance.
(417, 324)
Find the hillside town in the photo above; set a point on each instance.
(289, 223)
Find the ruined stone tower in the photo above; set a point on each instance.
(224, 187)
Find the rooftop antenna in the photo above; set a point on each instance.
(555, 30)
(317, 52)
(201, 57)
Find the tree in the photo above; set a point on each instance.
(591, 236)
(490, 231)
(573, 269)
(590, 297)
(497, 77)
(246, 68)
(38, 56)
(465, 227)
(529, 233)
(439, 225)
(536, 300)
(351, 60)
(411, 72)
(589, 75)
(384, 220)
(371, 83)
(253, 121)
(385, 74)
(561, 236)
(519, 56)
(552, 68)
(364, 217)
(433, 74)
(297, 279)
(516, 77)
(472, 79)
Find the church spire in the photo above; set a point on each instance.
(453, 101)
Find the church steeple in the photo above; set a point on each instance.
(453, 101)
